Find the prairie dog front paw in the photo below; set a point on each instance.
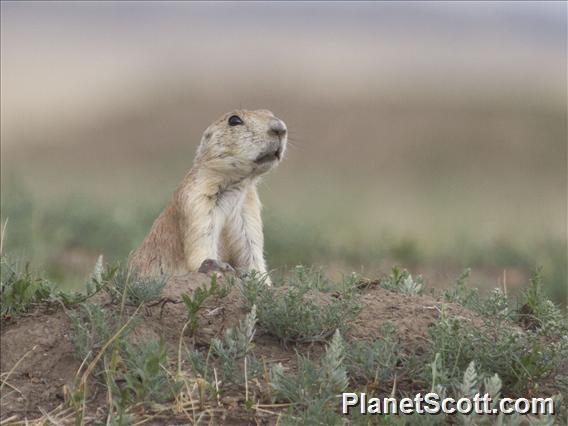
(213, 265)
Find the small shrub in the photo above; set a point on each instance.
(401, 281)
(313, 381)
(133, 373)
(237, 343)
(300, 311)
(139, 289)
(497, 306)
(373, 362)
(520, 358)
(314, 386)
(539, 312)
(194, 302)
(145, 372)
(472, 382)
(92, 328)
(20, 289)
(460, 293)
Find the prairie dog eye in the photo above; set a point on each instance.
(235, 120)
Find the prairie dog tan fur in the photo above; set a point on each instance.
(213, 220)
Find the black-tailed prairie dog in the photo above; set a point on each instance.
(213, 220)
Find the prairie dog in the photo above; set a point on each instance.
(213, 220)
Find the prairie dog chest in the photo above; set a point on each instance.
(229, 202)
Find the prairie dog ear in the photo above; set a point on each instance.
(207, 134)
(200, 149)
(205, 139)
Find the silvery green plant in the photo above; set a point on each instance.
(401, 281)
(236, 345)
(301, 312)
(373, 361)
(410, 286)
(313, 381)
(238, 341)
(139, 289)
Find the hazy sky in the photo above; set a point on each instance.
(59, 59)
(544, 20)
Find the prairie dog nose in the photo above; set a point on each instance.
(277, 127)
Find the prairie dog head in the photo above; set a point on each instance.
(243, 143)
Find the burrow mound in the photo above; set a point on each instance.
(38, 359)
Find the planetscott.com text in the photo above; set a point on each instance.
(432, 403)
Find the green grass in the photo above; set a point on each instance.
(64, 237)
(21, 290)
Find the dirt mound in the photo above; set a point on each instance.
(411, 315)
(38, 359)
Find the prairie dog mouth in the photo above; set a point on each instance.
(269, 157)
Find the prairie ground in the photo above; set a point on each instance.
(235, 351)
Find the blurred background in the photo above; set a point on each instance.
(431, 135)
